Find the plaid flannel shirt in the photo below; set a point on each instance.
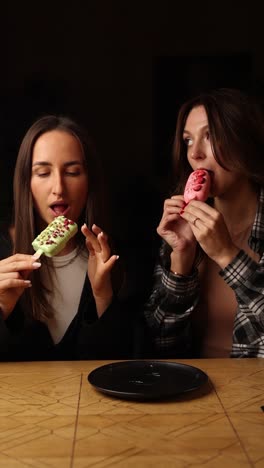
(174, 297)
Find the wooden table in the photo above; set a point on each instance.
(50, 416)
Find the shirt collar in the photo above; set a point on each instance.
(256, 240)
(258, 225)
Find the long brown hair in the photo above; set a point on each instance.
(33, 300)
(236, 126)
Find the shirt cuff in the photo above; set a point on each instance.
(239, 270)
(180, 285)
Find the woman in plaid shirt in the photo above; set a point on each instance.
(208, 292)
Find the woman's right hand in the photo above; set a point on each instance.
(172, 228)
(178, 234)
(14, 273)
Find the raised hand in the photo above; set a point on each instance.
(100, 264)
(172, 228)
(14, 273)
(178, 234)
(210, 230)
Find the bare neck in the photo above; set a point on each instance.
(238, 207)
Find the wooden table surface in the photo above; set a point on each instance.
(50, 416)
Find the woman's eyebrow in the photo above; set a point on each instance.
(66, 164)
(204, 127)
(41, 163)
(71, 163)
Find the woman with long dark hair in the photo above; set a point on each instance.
(208, 296)
(73, 305)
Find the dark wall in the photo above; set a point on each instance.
(121, 67)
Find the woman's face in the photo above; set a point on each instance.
(196, 136)
(59, 180)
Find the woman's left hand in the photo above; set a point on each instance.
(210, 230)
(100, 264)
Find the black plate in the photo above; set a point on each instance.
(146, 380)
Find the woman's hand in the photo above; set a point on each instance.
(172, 228)
(100, 264)
(210, 230)
(178, 234)
(14, 272)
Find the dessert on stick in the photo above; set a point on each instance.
(197, 186)
(54, 238)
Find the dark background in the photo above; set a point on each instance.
(122, 68)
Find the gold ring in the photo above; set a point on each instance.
(194, 221)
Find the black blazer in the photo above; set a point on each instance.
(118, 334)
(113, 336)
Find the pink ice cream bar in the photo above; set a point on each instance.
(197, 186)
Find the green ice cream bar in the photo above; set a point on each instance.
(54, 238)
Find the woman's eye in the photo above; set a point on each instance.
(188, 141)
(73, 173)
(42, 174)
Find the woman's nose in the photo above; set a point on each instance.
(197, 151)
(57, 187)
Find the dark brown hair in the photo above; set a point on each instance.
(236, 126)
(33, 300)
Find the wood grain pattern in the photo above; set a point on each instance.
(50, 416)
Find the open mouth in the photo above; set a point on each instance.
(59, 209)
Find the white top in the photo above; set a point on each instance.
(69, 277)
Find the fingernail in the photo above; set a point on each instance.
(28, 283)
(36, 264)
